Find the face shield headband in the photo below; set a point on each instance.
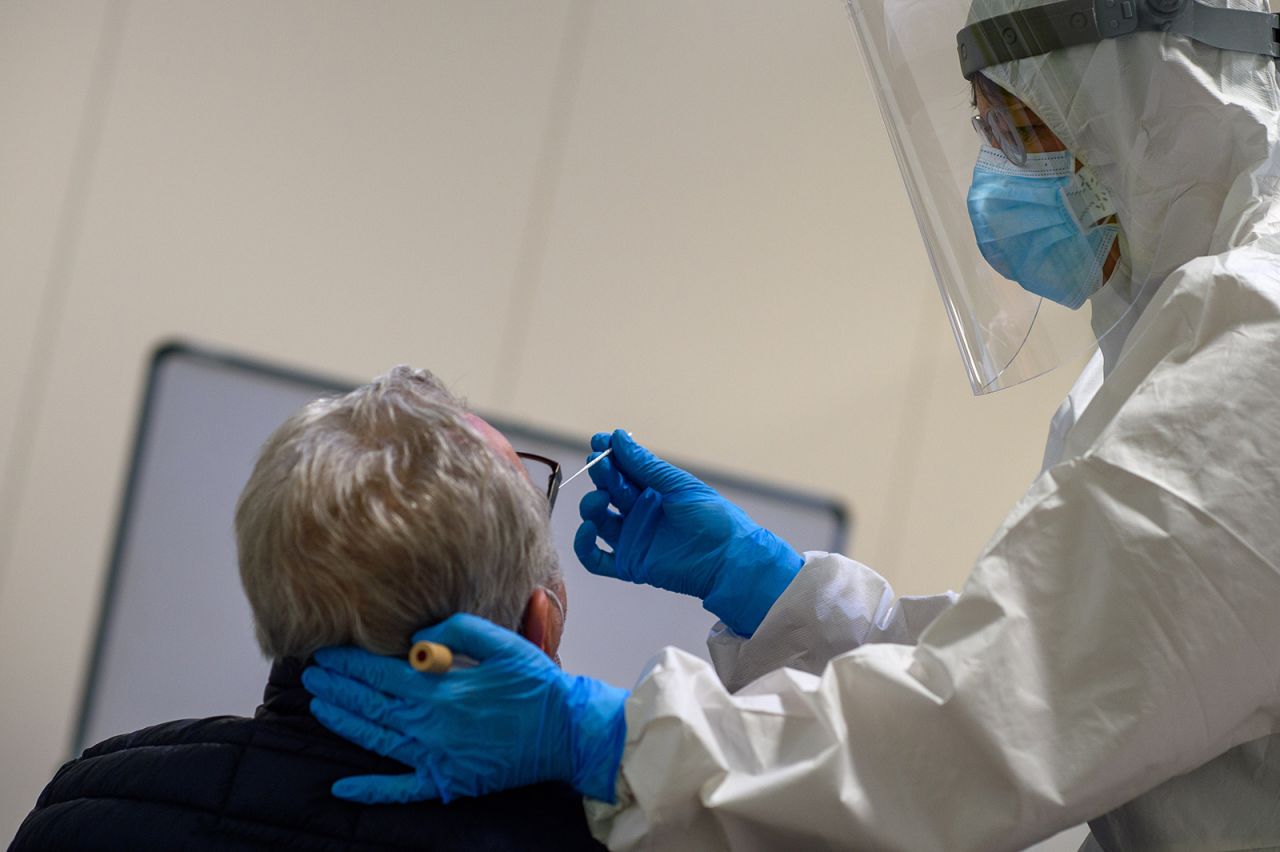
(1038, 30)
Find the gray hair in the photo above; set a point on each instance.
(370, 515)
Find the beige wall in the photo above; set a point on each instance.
(681, 217)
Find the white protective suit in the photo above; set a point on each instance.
(1115, 654)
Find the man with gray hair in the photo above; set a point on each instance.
(366, 517)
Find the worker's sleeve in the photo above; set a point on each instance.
(832, 606)
(1119, 630)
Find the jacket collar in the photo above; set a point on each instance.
(285, 695)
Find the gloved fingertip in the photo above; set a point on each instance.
(602, 473)
(609, 529)
(325, 656)
(600, 441)
(592, 558)
(630, 455)
(441, 629)
(337, 658)
(584, 543)
(343, 788)
(468, 634)
(331, 716)
(383, 789)
(592, 505)
(316, 680)
(622, 442)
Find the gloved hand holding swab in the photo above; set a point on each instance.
(590, 464)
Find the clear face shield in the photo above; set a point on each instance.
(1030, 248)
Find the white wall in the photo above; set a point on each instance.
(681, 217)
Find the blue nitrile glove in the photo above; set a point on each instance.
(513, 719)
(672, 531)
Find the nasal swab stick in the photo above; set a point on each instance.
(586, 467)
(590, 464)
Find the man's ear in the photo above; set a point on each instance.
(540, 624)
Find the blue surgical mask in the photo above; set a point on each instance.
(1035, 224)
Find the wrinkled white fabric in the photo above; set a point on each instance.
(1232, 800)
(1119, 631)
(832, 606)
(1115, 653)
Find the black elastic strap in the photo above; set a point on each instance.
(1040, 29)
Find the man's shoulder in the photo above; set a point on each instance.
(183, 764)
(228, 729)
(239, 782)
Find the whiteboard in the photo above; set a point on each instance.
(175, 635)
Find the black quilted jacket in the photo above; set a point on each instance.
(263, 783)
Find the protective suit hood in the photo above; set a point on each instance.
(1183, 135)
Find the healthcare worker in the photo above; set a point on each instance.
(1115, 654)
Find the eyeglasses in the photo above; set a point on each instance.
(543, 469)
(996, 127)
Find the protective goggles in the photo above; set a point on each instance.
(997, 129)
